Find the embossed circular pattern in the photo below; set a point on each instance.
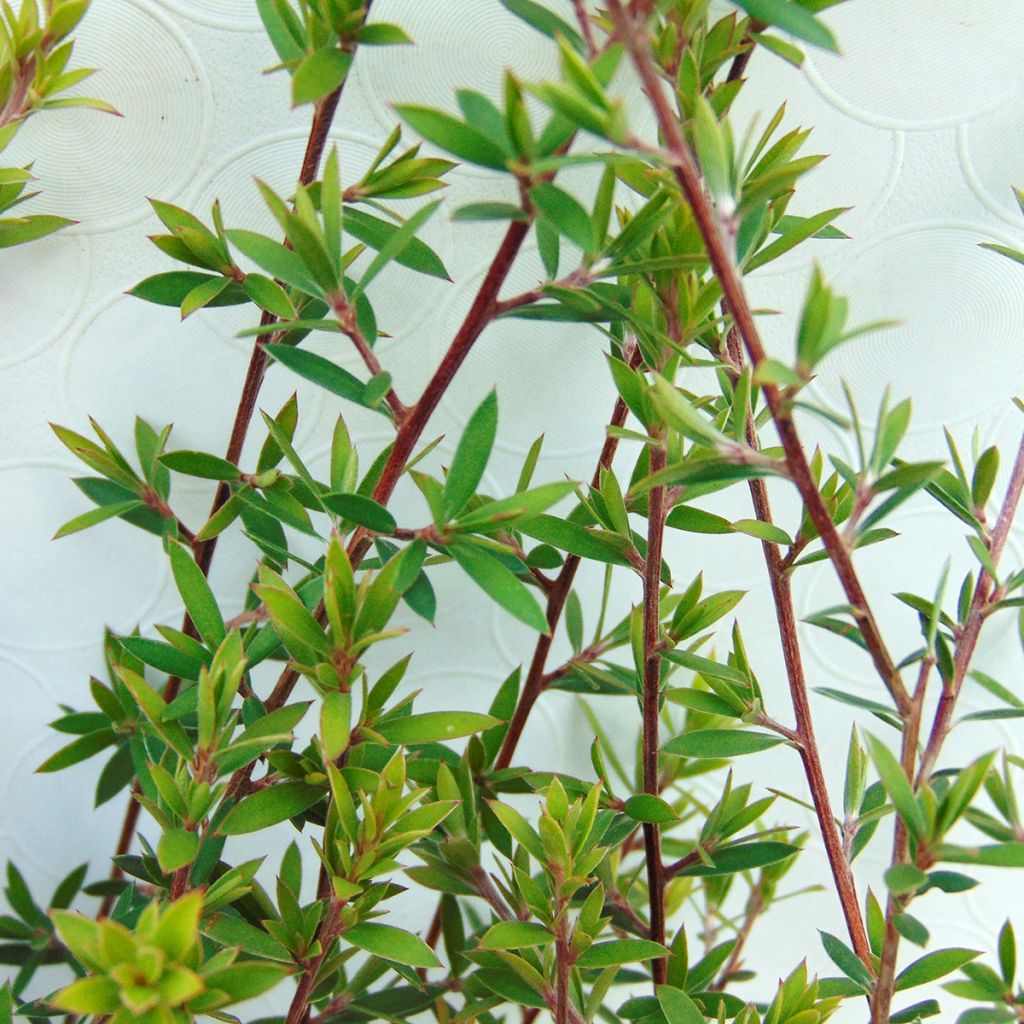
(507, 356)
(99, 169)
(992, 157)
(36, 317)
(150, 344)
(461, 44)
(919, 64)
(957, 304)
(233, 15)
(401, 299)
(71, 589)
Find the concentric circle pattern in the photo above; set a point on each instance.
(940, 287)
(922, 122)
(920, 64)
(99, 169)
(37, 317)
(460, 44)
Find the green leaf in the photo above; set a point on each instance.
(394, 246)
(95, 516)
(678, 1007)
(650, 808)
(516, 935)
(471, 456)
(198, 597)
(319, 370)
(898, 787)
(171, 288)
(544, 21)
(716, 743)
(1007, 953)
(382, 33)
(500, 583)
(489, 211)
(17, 230)
(619, 952)
(435, 726)
(377, 233)
(455, 136)
(276, 259)
(933, 966)
(571, 537)
(847, 961)
(762, 531)
(320, 74)
(903, 878)
(200, 464)
(362, 510)
(269, 296)
(792, 18)
(566, 213)
(392, 943)
(268, 807)
(741, 857)
(176, 849)
(696, 520)
(79, 750)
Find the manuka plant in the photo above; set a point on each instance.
(626, 894)
(35, 52)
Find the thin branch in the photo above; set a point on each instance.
(656, 513)
(984, 592)
(586, 26)
(782, 596)
(534, 685)
(298, 1012)
(896, 903)
(975, 619)
(634, 35)
(203, 551)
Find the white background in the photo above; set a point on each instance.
(922, 116)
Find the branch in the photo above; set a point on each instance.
(983, 592)
(782, 596)
(651, 701)
(634, 35)
(203, 551)
(535, 677)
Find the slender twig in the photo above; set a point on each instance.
(346, 315)
(323, 116)
(535, 682)
(984, 592)
(586, 26)
(635, 37)
(782, 596)
(298, 1011)
(741, 60)
(651, 702)
(754, 909)
(968, 641)
(881, 996)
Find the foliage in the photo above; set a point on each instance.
(625, 895)
(35, 51)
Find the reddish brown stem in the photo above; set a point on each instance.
(535, 680)
(782, 596)
(651, 703)
(975, 620)
(298, 1012)
(204, 550)
(633, 34)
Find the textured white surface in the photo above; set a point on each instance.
(922, 115)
